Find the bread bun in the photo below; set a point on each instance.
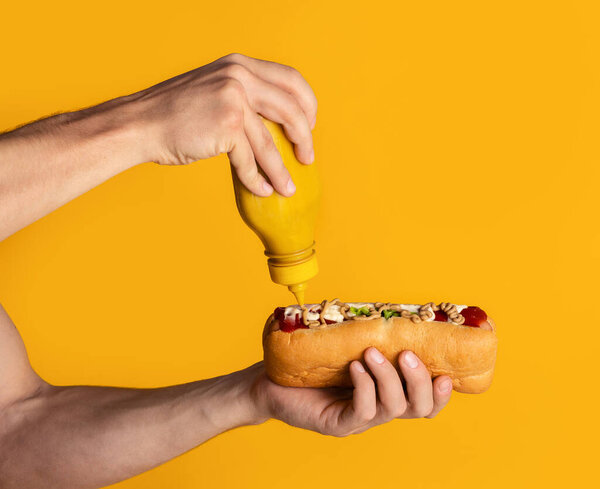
(320, 357)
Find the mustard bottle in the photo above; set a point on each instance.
(285, 225)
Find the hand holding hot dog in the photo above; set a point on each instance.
(378, 397)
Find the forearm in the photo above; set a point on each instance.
(71, 437)
(47, 163)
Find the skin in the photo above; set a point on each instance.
(203, 113)
(86, 437)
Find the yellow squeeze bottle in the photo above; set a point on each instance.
(285, 225)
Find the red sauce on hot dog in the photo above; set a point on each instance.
(441, 316)
(288, 324)
(474, 316)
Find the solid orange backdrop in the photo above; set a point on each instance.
(463, 134)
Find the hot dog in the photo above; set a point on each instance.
(313, 345)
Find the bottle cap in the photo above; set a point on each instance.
(294, 275)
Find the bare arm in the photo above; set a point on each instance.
(88, 437)
(211, 110)
(82, 436)
(50, 162)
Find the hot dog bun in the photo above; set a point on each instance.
(320, 357)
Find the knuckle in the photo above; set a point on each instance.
(422, 410)
(361, 418)
(399, 410)
(252, 181)
(339, 434)
(368, 414)
(232, 89)
(292, 76)
(292, 114)
(234, 70)
(287, 110)
(292, 72)
(234, 57)
(232, 118)
(265, 141)
(248, 172)
(336, 432)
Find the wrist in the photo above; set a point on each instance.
(136, 115)
(113, 129)
(258, 404)
(253, 409)
(229, 401)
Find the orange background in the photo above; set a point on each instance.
(462, 135)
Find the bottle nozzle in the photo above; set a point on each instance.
(298, 291)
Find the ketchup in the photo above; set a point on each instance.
(287, 324)
(441, 316)
(474, 316)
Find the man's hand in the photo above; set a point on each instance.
(377, 397)
(216, 109)
(208, 111)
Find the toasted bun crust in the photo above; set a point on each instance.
(320, 357)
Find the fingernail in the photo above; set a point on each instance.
(410, 360)
(291, 188)
(445, 386)
(311, 156)
(360, 368)
(376, 356)
(267, 189)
